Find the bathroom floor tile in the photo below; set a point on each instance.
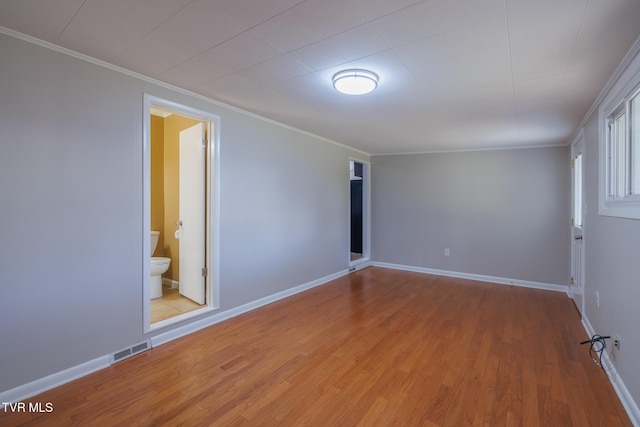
(170, 304)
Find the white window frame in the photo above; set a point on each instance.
(617, 166)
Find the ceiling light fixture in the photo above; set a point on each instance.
(355, 82)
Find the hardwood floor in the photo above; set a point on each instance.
(378, 347)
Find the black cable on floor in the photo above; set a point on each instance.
(597, 346)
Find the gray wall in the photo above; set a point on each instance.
(71, 209)
(612, 256)
(501, 213)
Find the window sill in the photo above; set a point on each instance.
(627, 210)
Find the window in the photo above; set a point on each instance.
(617, 155)
(623, 151)
(634, 142)
(620, 146)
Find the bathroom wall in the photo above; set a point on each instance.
(157, 180)
(71, 172)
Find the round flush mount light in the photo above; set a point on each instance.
(355, 82)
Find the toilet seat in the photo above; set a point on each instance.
(159, 260)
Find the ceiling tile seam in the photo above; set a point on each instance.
(513, 89)
(370, 21)
(452, 57)
(292, 52)
(435, 20)
(115, 57)
(273, 83)
(364, 23)
(431, 97)
(267, 84)
(393, 51)
(248, 29)
(70, 21)
(575, 42)
(426, 3)
(527, 79)
(441, 34)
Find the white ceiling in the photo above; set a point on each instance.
(454, 74)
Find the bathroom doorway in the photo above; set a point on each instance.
(180, 157)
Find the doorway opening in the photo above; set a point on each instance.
(358, 212)
(180, 213)
(577, 224)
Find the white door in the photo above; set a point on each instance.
(577, 229)
(192, 213)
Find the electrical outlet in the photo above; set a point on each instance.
(616, 341)
(447, 252)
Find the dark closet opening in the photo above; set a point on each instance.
(356, 181)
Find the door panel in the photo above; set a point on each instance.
(192, 213)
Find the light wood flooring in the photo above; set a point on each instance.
(171, 304)
(377, 347)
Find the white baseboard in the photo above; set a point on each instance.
(59, 378)
(478, 277)
(620, 388)
(170, 283)
(219, 317)
(54, 380)
(618, 385)
(43, 384)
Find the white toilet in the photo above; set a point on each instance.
(159, 265)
